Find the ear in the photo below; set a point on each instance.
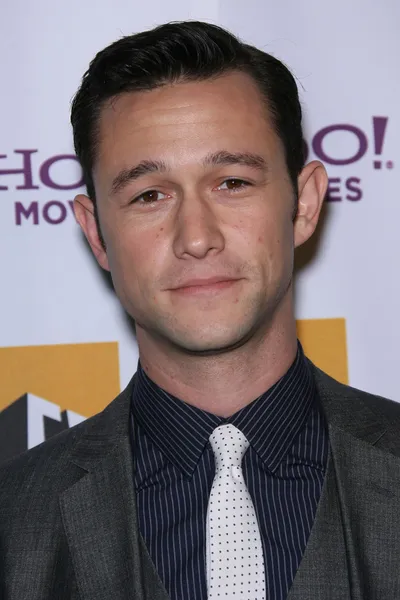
(312, 186)
(84, 214)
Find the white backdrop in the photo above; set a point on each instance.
(345, 57)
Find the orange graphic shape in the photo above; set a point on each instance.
(324, 342)
(79, 377)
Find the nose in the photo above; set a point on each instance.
(197, 229)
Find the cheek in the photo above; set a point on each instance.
(136, 257)
(270, 243)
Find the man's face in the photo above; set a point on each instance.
(192, 185)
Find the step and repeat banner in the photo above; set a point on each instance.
(66, 346)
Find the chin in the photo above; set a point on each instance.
(209, 343)
(202, 333)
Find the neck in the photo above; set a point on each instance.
(224, 383)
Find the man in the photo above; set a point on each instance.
(230, 467)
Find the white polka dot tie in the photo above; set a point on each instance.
(235, 561)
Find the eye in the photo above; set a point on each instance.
(232, 184)
(149, 197)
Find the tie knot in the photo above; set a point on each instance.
(229, 445)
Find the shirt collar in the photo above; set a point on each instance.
(271, 422)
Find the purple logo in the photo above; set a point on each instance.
(379, 130)
(53, 212)
(44, 174)
(350, 188)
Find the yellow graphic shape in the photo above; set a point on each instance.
(85, 377)
(79, 377)
(324, 342)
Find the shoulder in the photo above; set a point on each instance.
(370, 418)
(30, 486)
(355, 399)
(48, 458)
(48, 467)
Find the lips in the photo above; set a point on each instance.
(210, 286)
(207, 282)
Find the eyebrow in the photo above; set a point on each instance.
(220, 158)
(143, 168)
(224, 158)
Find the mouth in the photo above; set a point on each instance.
(205, 286)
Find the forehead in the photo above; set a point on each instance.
(186, 117)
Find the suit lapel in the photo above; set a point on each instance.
(368, 483)
(99, 513)
(364, 435)
(323, 570)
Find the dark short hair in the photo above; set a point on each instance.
(183, 51)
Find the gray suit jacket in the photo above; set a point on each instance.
(68, 525)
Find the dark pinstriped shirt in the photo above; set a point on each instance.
(283, 468)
